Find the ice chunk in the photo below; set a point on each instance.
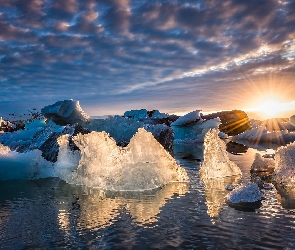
(143, 114)
(27, 166)
(262, 164)
(284, 172)
(245, 193)
(194, 132)
(216, 161)
(142, 165)
(122, 129)
(188, 118)
(137, 114)
(261, 134)
(65, 112)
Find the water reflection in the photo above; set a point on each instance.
(70, 208)
(215, 192)
(189, 151)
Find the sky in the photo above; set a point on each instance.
(175, 56)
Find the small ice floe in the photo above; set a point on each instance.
(245, 197)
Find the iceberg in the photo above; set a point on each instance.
(122, 129)
(65, 112)
(192, 128)
(261, 134)
(143, 114)
(142, 165)
(284, 170)
(232, 122)
(216, 161)
(26, 166)
(189, 118)
(262, 165)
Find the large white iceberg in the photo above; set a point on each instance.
(144, 164)
(216, 161)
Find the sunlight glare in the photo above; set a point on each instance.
(270, 108)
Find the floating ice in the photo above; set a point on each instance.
(216, 161)
(28, 166)
(262, 164)
(142, 114)
(284, 172)
(191, 117)
(261, 134)
(65, 112)
(245, 193)
(144, 164)
(195, 132)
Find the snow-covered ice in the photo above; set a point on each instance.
(216, 161)
(190, 117)
(244, 193)
(65, 112)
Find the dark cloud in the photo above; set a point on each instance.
(174, 54)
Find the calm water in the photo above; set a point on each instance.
(50, 214)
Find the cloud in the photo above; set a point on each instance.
(170, 53)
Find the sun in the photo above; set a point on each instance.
(270, 108)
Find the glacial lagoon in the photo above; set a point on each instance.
(51, 214)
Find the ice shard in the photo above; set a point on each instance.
(216, 161)
(142, 165)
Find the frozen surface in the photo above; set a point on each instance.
(65, 112)
(188, 118)
(142, 165)
(284, 172)
(216, 161)
(245, 193)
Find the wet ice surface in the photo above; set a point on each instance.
(50, 214)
